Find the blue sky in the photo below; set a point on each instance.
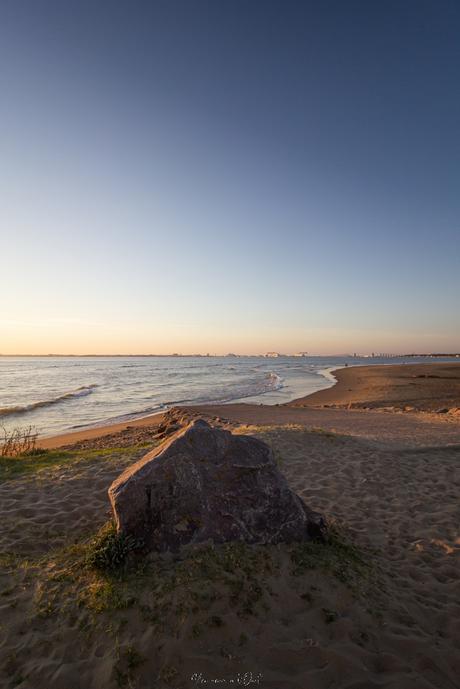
(229, 176)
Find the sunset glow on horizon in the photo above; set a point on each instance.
(194, 178)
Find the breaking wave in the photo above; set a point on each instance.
(21, 409)
(250, 388)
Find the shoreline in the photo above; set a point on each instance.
(433, 387)
(52, 442)
(374, 387)
(106, 427)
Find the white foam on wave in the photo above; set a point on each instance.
(327, 373)
(21, 409)
(268, 383)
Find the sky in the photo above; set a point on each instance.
(232, 176)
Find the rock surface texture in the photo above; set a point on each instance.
(206, 484)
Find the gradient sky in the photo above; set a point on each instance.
(229, 176)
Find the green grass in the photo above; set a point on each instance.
(107, 572)
(338, 557)
(12, 467)
(110, 551)
(104, 574)
(36, 461)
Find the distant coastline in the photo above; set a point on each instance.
(432, 355)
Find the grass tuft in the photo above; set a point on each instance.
(128, 660)
(110, 551)
(338, 556)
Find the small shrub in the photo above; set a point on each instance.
(17, 441)
(109, 551)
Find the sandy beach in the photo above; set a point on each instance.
(409, 387)
(378, 607)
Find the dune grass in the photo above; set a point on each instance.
(29, 463)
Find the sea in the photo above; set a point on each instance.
(57, 394)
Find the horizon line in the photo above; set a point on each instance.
(270, 355)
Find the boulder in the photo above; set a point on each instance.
(206, 484)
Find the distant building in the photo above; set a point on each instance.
(272, 355)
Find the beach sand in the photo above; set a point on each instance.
(136, 430)
(408, 387)
(377, 608)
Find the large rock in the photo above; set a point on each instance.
(207, 484)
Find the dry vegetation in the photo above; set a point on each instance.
(18, 441)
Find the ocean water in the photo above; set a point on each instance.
(54, 394)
